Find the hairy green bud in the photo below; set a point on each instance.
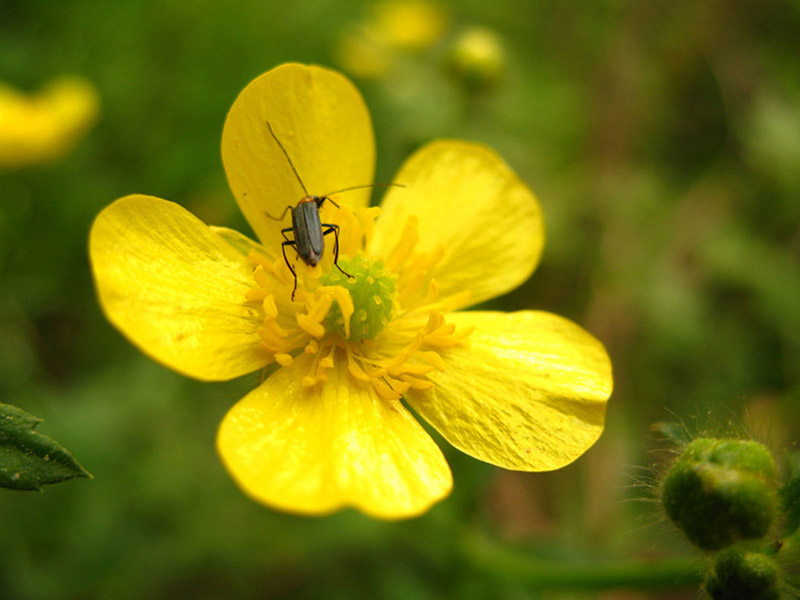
(721, 491)
(739, 575)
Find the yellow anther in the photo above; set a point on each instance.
(320, 308)
(269, 342)
(357, 371)
(312, 347)
(312, 328)
(258, 259)
(275, 329)
(417, 369)
(255, 294)
(416, 383)
(345, 302)
(261, 277)
(384, 391)
(352, 366)
(432, 358)
(309, 381)
(376, 373)
(435, 320)
(270, 308)
(401, 387)
(433, 292)
(283, 359)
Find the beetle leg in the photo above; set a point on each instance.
(331, 228)
(284, 231)
(289, 242)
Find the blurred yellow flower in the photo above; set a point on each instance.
(327, 427)
(371, 48)
(409, 23)
(39, 128)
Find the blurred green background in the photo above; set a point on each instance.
(663, 139)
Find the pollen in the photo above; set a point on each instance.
(380, 321)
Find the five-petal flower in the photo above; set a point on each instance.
(327, 427)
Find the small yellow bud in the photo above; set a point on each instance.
(477, 57)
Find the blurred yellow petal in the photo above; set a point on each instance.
(320, 119)
(175, 288)
(526, 391)
(316, 450)
(469, 202)
(38, 128)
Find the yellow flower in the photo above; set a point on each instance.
(327, 427)
(39, 128)
(392, 28)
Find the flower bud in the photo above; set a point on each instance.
(721, 491)
(739, 575)
(477, 58)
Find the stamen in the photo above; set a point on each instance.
(311, 327)
(387, 321)
(283, 360)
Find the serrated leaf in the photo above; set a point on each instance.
(29, 459)
(790, 499)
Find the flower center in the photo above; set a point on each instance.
(385, 323)
(372, 292)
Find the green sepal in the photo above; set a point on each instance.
(28, 459)
(790, 504)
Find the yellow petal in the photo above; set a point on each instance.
(238, 240)
(317, 450)
(526, 391)
(321, 120)
(175, 288)
(469, 202)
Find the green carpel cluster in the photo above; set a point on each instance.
(372, 291)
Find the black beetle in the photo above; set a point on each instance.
(308, 232)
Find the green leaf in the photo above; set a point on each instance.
(28, 459)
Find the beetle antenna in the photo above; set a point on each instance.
(368, 185)
(286, 154)
(283, 214)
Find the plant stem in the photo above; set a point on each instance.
(513, 564)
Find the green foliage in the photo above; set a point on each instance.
(28, 459)
(661, 140)
(790, 503)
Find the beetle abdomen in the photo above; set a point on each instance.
(310, 243)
